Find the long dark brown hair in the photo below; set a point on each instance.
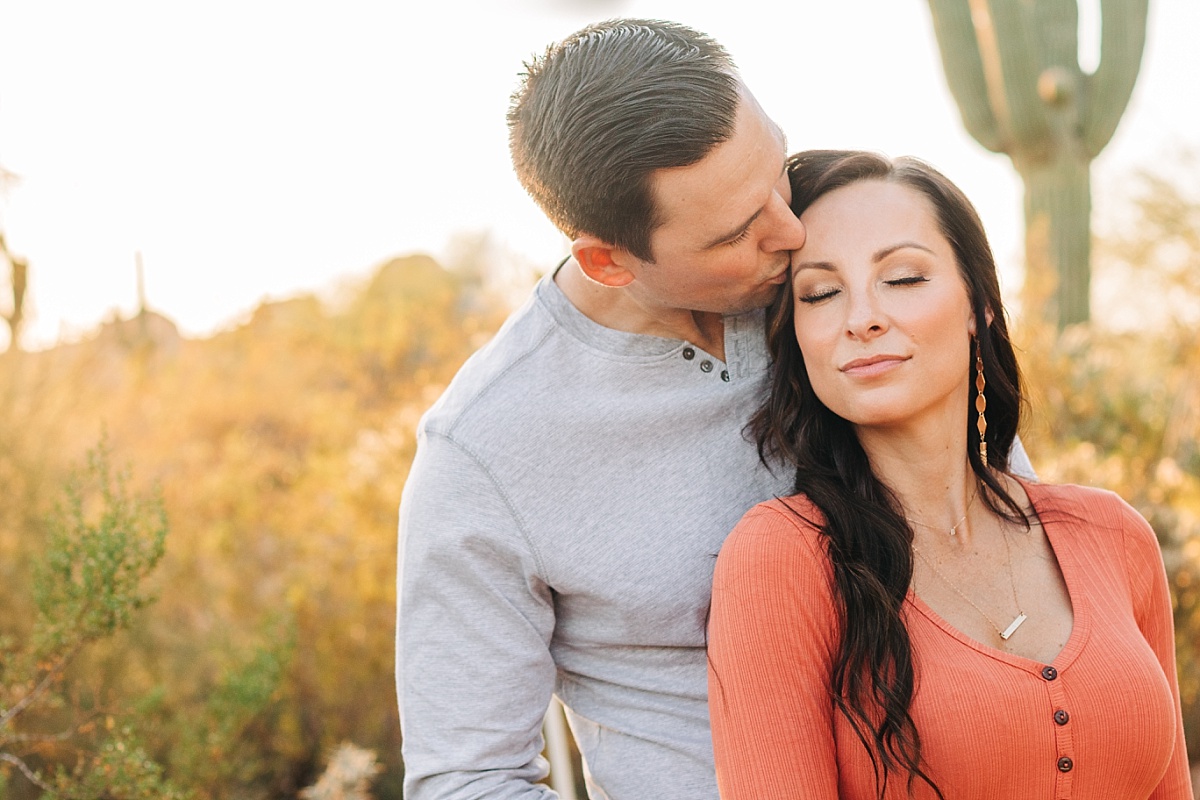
(868, 540)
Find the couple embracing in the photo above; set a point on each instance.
(800, 363)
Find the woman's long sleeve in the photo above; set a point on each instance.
(772, 632)
(1152, 610)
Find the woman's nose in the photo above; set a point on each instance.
(864, 315)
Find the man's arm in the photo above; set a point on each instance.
(473, 668)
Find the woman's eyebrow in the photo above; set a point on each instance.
(825, 266)
(880, 255)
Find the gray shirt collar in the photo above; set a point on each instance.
(745, 339)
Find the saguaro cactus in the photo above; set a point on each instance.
(19, 282)
(1013, 67)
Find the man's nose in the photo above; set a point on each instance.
(788, 231)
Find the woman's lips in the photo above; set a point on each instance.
(872, 365)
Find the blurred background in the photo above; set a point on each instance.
(245, 245)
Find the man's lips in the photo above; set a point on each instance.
(872, 365)
(781, 275)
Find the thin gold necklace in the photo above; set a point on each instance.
(954, 527)
(1020, 618)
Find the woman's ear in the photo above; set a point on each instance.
(601, 261)
(987, 314)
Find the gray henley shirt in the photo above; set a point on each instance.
(558, 532)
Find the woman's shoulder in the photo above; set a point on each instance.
(1070, 492)
(776, 556)
(1093, 512)
(794, 514)
(775, 532)
(1089, 503)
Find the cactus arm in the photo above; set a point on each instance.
(1014, 39)
(1057, 23)
(963, 65)
(1108, 89)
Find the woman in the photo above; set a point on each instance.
(916, 621)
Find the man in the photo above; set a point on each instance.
(574, 484)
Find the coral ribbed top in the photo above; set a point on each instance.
(1102, 720)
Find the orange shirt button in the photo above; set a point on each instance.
(1061, 717)
(1049, 673)
(1065, 764)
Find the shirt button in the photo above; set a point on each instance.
(689, 353)
(1049, 673)
(706, 366)
(725, 375)
(1061, 717)
(1065, 764)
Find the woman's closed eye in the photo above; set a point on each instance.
(813, 296)
(908, 280)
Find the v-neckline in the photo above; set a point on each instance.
(1080, 609)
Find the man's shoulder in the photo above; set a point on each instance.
(496, 372)
(541, 357)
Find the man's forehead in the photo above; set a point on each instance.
(750, 102)
(718, 196)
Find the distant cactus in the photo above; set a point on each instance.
(1013, 68)
(19, 282)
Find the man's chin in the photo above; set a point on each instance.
(753, 302)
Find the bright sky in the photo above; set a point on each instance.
(253, 149)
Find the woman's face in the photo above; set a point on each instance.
(882, 314)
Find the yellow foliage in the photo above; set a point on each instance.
(281, 448)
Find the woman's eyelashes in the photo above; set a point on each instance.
(908, 280)
(813, 296)
(816, 294)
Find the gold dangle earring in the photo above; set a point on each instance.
(980, 402)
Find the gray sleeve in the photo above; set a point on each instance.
(473, 668)
(1018, 460)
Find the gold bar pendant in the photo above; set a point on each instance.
(1012, 627)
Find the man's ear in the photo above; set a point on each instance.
(601, 262)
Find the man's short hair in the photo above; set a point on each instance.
(600, 111)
